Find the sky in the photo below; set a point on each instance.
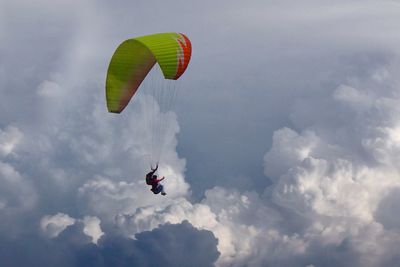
(282, 149)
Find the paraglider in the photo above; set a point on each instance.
(134, 59)
(130, 66)
(151, 179)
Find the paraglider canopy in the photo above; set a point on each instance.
(133, 60)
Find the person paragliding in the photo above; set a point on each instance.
(130, 64)
(152, 179)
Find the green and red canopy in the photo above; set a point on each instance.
(134, 59)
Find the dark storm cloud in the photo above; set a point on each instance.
(168, 245)
(389, 210)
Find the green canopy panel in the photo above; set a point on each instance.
(134, 59)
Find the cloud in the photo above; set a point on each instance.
(52, 226)
(339, 169)
(235, 219)
(9, 138)
(387, 211)
(17, 193)
(92, 228)
(171, 244)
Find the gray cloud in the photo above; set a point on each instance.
(170, 245)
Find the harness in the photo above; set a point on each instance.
(149, 179)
